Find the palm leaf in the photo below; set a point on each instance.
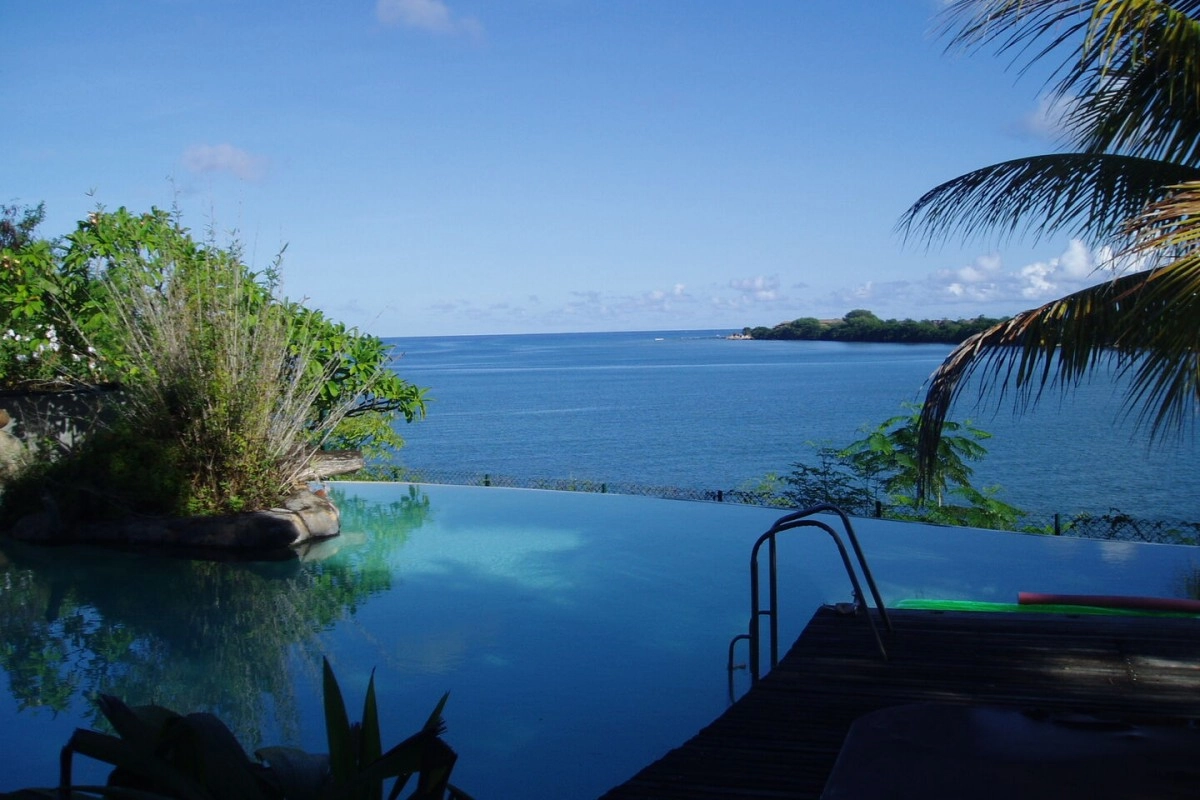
(1056, 343)
(1165, 378)
(370, 744)
(1138, 83)
(1144, 324)
(1130, 67)
(1090, 194)
(337, 727)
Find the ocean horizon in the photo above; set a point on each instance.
(695, 409)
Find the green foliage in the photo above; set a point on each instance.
(39, 347)
(234, 384)
(833, 479)
(116, 472)
(861, 325)
(880, 470)
(18, 224)
(158, 753)
(60, 293)
(358, 374)
(767, 491)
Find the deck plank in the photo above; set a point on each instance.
(781, 739)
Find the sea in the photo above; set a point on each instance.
(698, 410)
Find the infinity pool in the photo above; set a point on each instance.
(580, 636)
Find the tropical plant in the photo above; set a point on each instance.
(227, 387)
(38, 347)
(158, 753)
(832, 480)
(216, 404)
(1129, 81)
(57, 326)
(354, 369)
(879, 474)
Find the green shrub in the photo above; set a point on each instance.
(230, 386)
(879, 473)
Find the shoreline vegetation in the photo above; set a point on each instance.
(861, 325)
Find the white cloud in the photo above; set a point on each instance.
(428, 15)
(205, 158)
(1049, 119)
(761, 288)
(987, 286)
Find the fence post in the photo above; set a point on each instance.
(720, 496)
(487, 480)
(1057, 526)
(878, 509)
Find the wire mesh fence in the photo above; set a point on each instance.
(1112, 525)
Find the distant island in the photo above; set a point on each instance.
(861, 325)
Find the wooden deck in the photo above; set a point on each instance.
(781, 739)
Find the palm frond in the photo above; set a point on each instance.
(1087, 194)
(1131, 68)
(1013, 27)
(1166, 375)
(1138, 83)
(1053, 346)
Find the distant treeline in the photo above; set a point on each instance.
(861, 325)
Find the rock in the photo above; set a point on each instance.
(314, 515)
(39, 527)
(305, 517)
(324, 464)
(12, 454)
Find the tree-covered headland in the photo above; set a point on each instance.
(861, 325)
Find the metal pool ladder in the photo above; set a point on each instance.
(802, 519)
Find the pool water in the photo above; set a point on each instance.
(580, 636)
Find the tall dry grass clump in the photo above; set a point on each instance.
(221, 381)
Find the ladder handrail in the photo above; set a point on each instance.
(794, 520)
(858, 551)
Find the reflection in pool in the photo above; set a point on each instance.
(580, 636)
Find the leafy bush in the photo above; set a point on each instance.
(38, 346)
(116, 472)
(232, 385)
(878, 474)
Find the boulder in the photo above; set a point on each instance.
(12, 449)
(12, 454)
(313, 514)
(306, 516)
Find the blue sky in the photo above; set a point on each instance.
(446, 167)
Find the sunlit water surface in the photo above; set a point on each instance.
(580, 636)
(693, 409)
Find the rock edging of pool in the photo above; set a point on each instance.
(305, 516)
